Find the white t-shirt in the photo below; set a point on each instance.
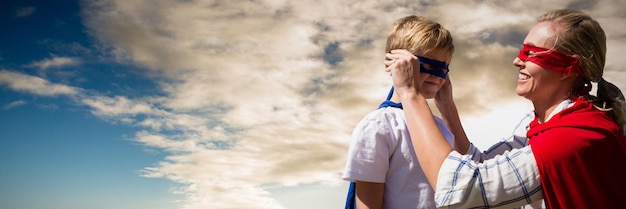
(381, 152)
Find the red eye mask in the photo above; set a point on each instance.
(551, 59)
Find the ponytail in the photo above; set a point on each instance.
(611, 99)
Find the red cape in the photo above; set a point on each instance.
(581, 155)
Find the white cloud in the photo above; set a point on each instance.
(14, 104)
(119, 105)
(55, 62)
(253, 102)
(35, 85)
(26, 11)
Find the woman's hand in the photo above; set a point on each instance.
(405, 70)
(430, 145)
(443, 98)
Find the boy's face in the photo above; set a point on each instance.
(430, 83)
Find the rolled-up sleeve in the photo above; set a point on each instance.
(507, 180)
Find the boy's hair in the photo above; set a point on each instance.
(419, 35)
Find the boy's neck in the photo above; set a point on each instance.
(395, 98)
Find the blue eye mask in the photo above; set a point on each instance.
(437, 68)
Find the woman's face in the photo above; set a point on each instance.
(535, 82)
(431, 84)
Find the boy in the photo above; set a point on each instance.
(382, 164)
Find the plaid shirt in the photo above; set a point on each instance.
(506, 175)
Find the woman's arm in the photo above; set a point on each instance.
(509, 180)
(430, 145)
(446, 106)
(450, 115)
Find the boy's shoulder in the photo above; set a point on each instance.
(384, 116)
(385, 112)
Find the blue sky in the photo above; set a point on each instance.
(53, 152)
(228, 104)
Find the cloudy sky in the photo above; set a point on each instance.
(196, 104)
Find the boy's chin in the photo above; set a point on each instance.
(428, 94)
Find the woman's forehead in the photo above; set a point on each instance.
(541, 35)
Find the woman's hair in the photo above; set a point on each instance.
(579, 34)
(419, 35)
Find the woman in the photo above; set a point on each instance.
(576, 142)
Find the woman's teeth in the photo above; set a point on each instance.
(523, 76)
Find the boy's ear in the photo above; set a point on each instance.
(387, 63)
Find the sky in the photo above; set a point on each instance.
(196, 104)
